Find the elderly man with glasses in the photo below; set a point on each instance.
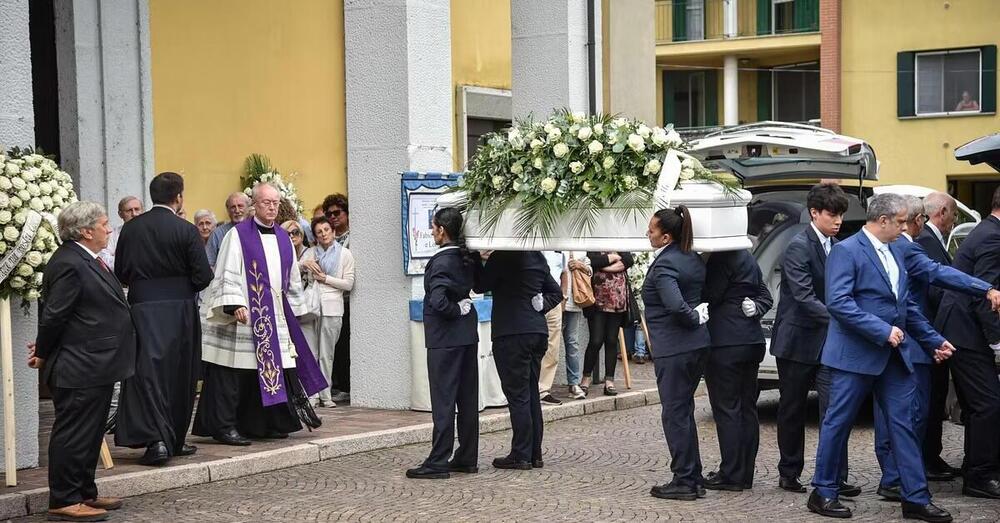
(238, 208)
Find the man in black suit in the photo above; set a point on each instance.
(162, 261)
(737, 298)
(800, 331)
(523, 291)
(85, 344)
(974, 328)
(941, 212)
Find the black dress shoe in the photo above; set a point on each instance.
(940, 475)
(714, 481)
(849, 491)
(830, 508)
(537, 463)
(508, 462)
(423, 472)
(186, 450)
(464, 469)
(674, 491)
(982, 489)
(231, 437)
(701, 491)
(156, 455)
(892, 493)
(928, 512)
(791, 485)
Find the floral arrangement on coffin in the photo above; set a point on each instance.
(571, 166)
(258, 169)
(33, 190)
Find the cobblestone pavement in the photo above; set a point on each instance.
(597, 468)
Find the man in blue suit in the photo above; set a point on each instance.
(924, 274)
(867, 291)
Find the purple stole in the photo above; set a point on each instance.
(270, 373)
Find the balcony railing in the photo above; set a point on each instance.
(696, 20)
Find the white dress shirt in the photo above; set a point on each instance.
(888, 261)
(937, 233)
(824, 240)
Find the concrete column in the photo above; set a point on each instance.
(730, 90)
(399, 118)
(17, 128)
(631, 58)
(730, 18)
(549, 65)
(105, 97)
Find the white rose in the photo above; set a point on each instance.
(57, 201)
(595, 147)
(19, 183)
(560, 149)
(498, 182)
(518, 186)
(612, 138)
(10, 233)
(32, 174)
(517, 143)
(653, 166)
(38, 244)
(579, 116)
(576, 167)
(673, 137)
(687, 174)
(17, 282)
(33, 294)
(47, 169)
(609, 162)
(537, 164)
(25, 270)
(15, 203)
(47, 202)
(636, 143)
(548, 127)
(598, 129)
(33, 258)
(555, 134)
(687, 163)
(536, 143)
(548, 184)
(33, 189)
(643, 131)
(659, 137)
(36, 204)
(4, 200)
(513, 133)
(45, 188)
(5, 184)
(24, 195)
(631, 182)
(587, 187)
(19, 218)
(5, 217)
(3, 247)
(39, 277)
(12, 169)
(584, 133)
(619, 122)
(63, 193)
(516, 168)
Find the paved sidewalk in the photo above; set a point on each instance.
(597, 468)
(346, 430)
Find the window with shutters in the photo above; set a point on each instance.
(795, 94)
(695, 14)
(948, 82)
(783, 16)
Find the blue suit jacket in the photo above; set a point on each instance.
(863, 309)
(671, 291)
(925, 273)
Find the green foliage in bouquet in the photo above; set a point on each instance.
(572, 165)
(258, 169)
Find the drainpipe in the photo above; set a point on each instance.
(591, 60)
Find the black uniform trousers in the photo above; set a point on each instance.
(975, 376)
(230, 399)
(75, 443)
(453, 373)
(677, 377)
(731, 379)
(795, 379)
(932, 446)
(519, 360)
(341, 379)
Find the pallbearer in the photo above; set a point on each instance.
(676, 317)
(452, 337)
(737, 298)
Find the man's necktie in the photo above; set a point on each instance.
(890, 268)
(103, 265)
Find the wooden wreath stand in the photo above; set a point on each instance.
(7, 368)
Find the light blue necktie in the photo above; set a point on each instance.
(890, 268)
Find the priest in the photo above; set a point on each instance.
(256, 358)
(160, 258)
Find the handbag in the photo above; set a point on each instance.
(313, 301)
(583, 291)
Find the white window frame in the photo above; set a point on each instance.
(774, 14)
(774, 89)
(916, 83)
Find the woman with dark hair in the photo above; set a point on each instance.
(608, 314)
(678, 341)
(451, 333)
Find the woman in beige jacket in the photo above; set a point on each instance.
(332, 270)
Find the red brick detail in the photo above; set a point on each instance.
(829, 63)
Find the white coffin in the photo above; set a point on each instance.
(719, 221)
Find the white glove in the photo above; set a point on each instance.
(749, 308)
(465, 305)
(702, 309)
(537, 302)
(996, 348)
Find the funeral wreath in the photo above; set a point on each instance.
(258, 169)
(570, 166)
(33, 190)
